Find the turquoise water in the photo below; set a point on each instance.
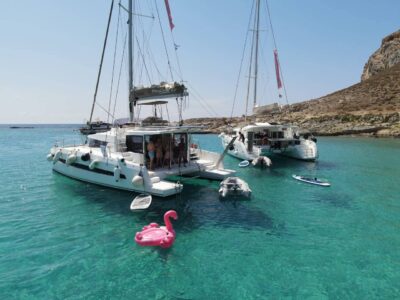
(65, 239)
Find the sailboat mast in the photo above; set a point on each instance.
(256, 54)
(101, 64)
(131, 96)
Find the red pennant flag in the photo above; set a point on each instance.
(278, 77)
(171, 24)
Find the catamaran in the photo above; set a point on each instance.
(141, 156)
(255, 140)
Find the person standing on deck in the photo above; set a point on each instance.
(241, 137)
(159, 153)
(151, 152)
(181, 155)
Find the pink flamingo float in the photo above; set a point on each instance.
(155, 235)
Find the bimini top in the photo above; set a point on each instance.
(259, 126)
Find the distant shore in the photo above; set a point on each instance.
(374, 125)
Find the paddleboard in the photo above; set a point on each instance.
(244, 163)
(141, 201)
(315, 181)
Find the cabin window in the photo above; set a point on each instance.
(96, 143)
(134, 143)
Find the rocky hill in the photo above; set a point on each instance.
(370, 107)
(385, 57)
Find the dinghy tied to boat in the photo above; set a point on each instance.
(234, 186)
(262, 161)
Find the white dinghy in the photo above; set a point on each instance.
(142, 201)
(262, 161)
(314, 180)
(234, 186)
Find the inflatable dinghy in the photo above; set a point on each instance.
(234, 186)
(262, 161)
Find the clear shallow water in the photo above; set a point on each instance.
(61, 238)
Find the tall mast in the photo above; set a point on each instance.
(101, 63)
(256, 54)
(250, 71)
(131, 96)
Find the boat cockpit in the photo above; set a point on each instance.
(155, 150)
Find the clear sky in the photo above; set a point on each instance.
(50, 52)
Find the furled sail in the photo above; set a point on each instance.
(277, 69)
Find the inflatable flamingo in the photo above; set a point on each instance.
(155, 235)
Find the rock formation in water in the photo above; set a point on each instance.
(370, 107)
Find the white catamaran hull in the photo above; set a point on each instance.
(305, 150)
(116, 172)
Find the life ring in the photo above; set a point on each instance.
(244, 164)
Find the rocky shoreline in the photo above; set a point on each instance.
(387, 125)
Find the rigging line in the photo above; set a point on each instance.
(203, 106)
(113, 67)
(105, 110)
(163, 37)
(241, 62)
(202, 99)
(151, 56)
(144, 63)
(119, 75)
(148, 49)
(101, 61)
(276, 47)
(176, 56)
(146, 41)
(166, 107)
